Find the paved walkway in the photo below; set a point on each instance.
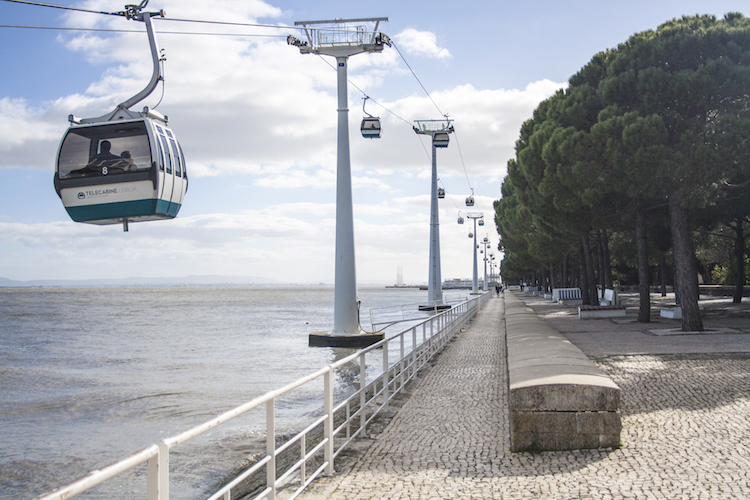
(686, 431)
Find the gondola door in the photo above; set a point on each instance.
(166, 174)
(178, 186)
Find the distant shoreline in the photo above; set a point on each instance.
(189, 281)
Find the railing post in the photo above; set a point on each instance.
(402, 361)
(443, 336)
(362, 397)
(328, 402)
(152, 477)
(348, 419)
(303, 452)
(157, 480)
(432, 336)
(271, 448)
(440, 331)
(385, 375)
(413, 351)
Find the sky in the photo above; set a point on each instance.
(257, 122)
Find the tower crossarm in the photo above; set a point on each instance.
(341, 37)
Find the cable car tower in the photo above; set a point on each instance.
(124, 166)
(480, 217)
(342, 38)
(438, 130)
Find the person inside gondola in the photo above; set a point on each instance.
(105, 162)
(129, 165)
(105, 154)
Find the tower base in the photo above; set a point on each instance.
(434, 307)
(353, 340)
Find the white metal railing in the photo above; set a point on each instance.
(341, 423)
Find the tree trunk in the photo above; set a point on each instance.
(686, 273)
(565, 271)
(644, 285)
(583, 277)
(739, 255)
(589, 267)
(542, 279)
(552, 277)
(663, 273)
(600, 255)
(607, 262)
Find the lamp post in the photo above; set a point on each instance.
(338, 40)
(485, 243)
(475, 216)
(492, 268)
(438, 130)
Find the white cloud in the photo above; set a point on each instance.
(18, 125)
(421, 43)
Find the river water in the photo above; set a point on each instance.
(91, 375)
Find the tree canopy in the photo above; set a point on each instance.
(660, 121)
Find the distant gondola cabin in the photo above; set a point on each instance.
(370, 127)
(440, 140)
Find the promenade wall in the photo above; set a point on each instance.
(559, 400)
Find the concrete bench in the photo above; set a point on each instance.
(585, 312)
(567, 296)
(558, 398)
(671, 312)
(609, 299)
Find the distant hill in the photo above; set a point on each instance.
(210, 279)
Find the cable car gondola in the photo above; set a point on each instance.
(460, 220)
(470, 199)
(480, 222)
(441, 193)
(440, 139)
(125, 166)
(370, 127)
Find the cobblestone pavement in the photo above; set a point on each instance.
(686, 433)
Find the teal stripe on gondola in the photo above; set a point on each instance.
(119, 210)
(162, 207)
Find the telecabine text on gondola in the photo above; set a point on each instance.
(125, 166)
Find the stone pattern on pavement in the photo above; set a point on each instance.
(686, 432)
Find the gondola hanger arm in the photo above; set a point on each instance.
(364, 102)
(133, 12)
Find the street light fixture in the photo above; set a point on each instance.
(475, 216)
(486, 243)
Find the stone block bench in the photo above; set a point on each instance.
(600, 311)
(558, 398)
